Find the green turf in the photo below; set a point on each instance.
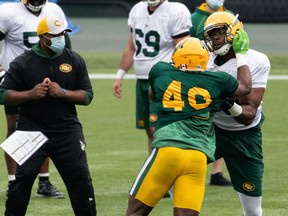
(116, 151)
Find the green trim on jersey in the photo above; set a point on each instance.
(2, 96)
(88, 96)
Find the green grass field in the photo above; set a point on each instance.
(116, 151)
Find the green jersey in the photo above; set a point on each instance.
(186, 104)
(199, 18)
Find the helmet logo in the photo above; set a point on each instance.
(57, 23)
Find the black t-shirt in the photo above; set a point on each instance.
(48, 114)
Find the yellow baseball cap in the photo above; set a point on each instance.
(51, 25)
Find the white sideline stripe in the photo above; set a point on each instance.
(142, 170)
(132, 76)
(110, 76)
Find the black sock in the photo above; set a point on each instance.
(43, 178)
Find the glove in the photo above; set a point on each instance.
(240, 42)
(228, 104)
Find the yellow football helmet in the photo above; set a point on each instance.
(190, 54)
(228, 24)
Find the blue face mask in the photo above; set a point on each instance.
(215, 4)
(57, 44)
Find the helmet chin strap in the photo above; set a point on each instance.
(223, 50)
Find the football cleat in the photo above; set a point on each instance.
(47, 190)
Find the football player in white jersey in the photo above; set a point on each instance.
(239, 136)
(156, 27)
(18, 32)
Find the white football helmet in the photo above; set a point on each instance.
(34, 5)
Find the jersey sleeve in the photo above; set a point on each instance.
(13, 77)
(180, 19)
(6, 17)
(83, 79)
(230, 84)
(260, 70)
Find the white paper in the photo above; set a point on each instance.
(21, 145)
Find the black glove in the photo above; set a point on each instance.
(228, 104)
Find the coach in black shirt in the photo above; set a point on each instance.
(47, 82)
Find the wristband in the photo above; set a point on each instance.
(120, 74)
(64, 91)
(2, 73)
(235, 110)
(241, 59)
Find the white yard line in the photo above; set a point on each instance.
(132, 76)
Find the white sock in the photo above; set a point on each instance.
(11, 177)
(251, 205)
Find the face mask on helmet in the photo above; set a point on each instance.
(215, 4)
(221, 25)
(190, 54)
(154, 3)
(34, 5)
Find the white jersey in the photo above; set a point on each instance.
(153, 33)
(20, 28)
(259, 66)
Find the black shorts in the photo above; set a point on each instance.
(11, 110)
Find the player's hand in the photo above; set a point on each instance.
(39, 91)
(228, 104)
(117, 88)
(54, 90)
(241, 42)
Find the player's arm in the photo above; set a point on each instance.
(250, 104)
(240, 46)
(125, 64)
(179, 38)
(127, 56)
(14, 97)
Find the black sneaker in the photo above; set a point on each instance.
(47, 190)
(219, 180)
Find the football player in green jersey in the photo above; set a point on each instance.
(187, 97)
